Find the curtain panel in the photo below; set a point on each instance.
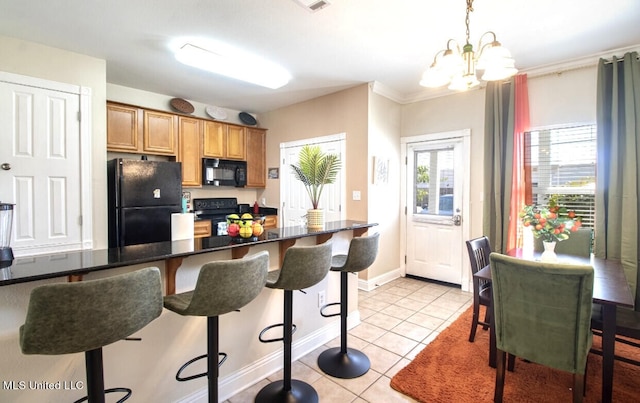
(618, 170)
(498, 161)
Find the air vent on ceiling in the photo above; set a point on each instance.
(313, 5)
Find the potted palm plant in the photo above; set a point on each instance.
(315, 169)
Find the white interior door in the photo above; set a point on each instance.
(40, 131)
(436, 196)
(294, 198)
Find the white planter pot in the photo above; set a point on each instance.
(315, 219)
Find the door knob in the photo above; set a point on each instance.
(5, 166)
(457, 220)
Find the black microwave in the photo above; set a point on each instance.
(217, 172)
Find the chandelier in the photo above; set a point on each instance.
(458, 69)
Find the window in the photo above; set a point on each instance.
(434, 181)
(562, 162)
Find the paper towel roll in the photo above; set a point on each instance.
(181, 226)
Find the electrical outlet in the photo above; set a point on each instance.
(321, 299)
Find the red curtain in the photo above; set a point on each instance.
(520, 184)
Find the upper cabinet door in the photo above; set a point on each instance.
(236, 143)
(224, 141)
(160, 133)
(190, 131)
(124, 126)
(256, 161)
(215, 139)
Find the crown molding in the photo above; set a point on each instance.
(555, 68)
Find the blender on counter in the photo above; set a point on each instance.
(6, 219)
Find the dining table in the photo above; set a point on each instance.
(610, 289)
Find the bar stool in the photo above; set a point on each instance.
(302, 267)
(222, 287)
(85, 316)
(344, 362)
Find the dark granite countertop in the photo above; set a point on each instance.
(38, 267)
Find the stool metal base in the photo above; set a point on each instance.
(300, 392)
(352, 364)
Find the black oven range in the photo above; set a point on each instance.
(216, 209)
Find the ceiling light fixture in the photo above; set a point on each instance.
(458, 69)
(224, 60)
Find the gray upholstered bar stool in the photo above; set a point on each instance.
(302, 267)
(344, 362)
(85, 316)
(222, 286)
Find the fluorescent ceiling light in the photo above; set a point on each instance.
(229, 62)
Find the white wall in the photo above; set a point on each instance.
(554, 99)
(384, 198)
(148, 367)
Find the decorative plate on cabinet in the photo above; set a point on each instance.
(247, 119)
(181, 105)
(216, 113)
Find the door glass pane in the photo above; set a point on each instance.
(434, 181)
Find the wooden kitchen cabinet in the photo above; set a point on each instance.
(270, 221)
(201, 228)
(124, 128)
(160, 133)
(236, 143)
(136, 130)
(189, 135)
(221, 140)
(256, 157)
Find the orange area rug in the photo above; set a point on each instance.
(451, 369)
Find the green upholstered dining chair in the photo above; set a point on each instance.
(578, 244)
(222, 287)
(542, 313)
(84, 316)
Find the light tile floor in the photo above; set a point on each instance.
(398, 320)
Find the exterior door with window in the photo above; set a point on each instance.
(436, 194)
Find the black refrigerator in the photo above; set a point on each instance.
(142, 196)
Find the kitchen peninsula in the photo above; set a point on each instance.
(75, 264)
(171, 340)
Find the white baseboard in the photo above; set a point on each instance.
(372, 284)
(237, 381)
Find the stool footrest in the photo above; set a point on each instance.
(329, 315)
(191, 361)
(111, 390)
(266, 329)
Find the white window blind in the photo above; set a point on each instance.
(563, 163)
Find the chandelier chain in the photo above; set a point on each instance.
(466, 21)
